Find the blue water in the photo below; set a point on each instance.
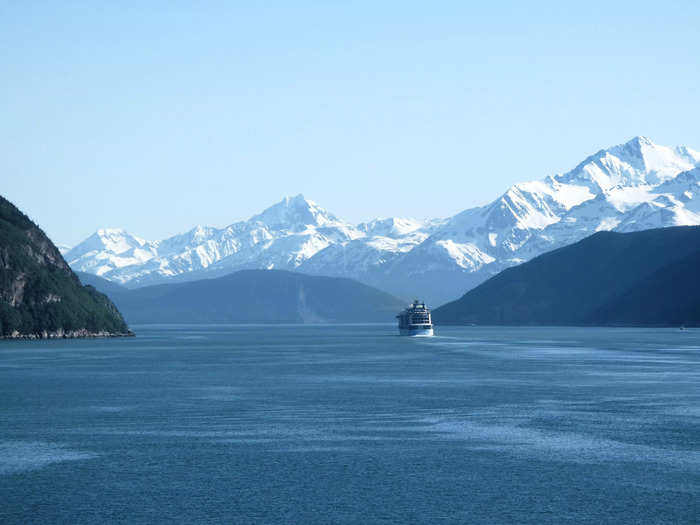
(352, 424)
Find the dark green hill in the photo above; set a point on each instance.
(258, 296)
(39, 294)
(647, 278)
(670, 296)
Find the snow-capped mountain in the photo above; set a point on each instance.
(368, 258)
(633, 186)
(108, 249)
(284, 236)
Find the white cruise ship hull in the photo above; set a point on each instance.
(425, 332)
(415, 320)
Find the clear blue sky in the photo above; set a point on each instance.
(159, 116)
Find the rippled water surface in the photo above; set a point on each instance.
(352, 424)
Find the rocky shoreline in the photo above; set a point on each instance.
(72, 334)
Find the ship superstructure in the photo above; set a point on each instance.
(415, 320)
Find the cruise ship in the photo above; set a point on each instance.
(415, 320)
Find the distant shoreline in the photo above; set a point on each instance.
(73, 334)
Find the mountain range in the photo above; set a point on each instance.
(252, 296)
(629, 187)
(646, 278)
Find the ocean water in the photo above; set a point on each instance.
(352, 424)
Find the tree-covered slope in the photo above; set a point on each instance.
(650, 277)
(670, 297)
(39, 294)
(258, 296)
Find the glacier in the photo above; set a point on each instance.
(633, 186)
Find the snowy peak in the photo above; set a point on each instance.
(110, 248)
(296, 213)
(636, 162)
(525, 206)
(391, 227)
(659, 163)
(196, 236)
(114, 240)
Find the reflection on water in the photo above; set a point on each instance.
(18, 456)
(352, 424)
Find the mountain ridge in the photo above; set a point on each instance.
(646, 278)
(254, 296)
(40, 296)
(632, 186)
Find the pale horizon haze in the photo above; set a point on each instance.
(155, 117)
